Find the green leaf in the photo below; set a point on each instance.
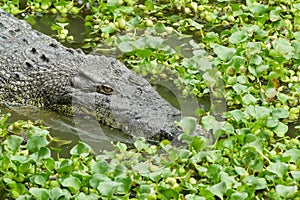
(238, 196)
(126, 182)
(280, 113)
(39, 193)
(108, 188)
(296, 175)
(213, 172)
(82, 149)
(35, 143)
(236, 114)
(218, 189)
(125, 47)
(224, 53)
(13, 142)
(169, 193)
(278, 168)
(40, 179)
(249, 99)
(275, 14)
(286, 191)
(56, 193)
(65, 166)
(281, 129)
(188, 124)
(140, 144)
(282, 97)
(239, 88)
(238, 37)
(149, 5)
(283, 48)
(256, 182)
(272, 122)
(72, 183)
(143, 53)
(101, 167)
(293, 153)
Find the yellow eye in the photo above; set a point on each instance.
(104, 89)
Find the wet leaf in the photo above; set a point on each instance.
(72, 183)
(286, 191)
(278, 168)
(238, 37)
(224, 53)
(218, 189)
(39, 193)
(293, 153)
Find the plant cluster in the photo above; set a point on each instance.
(252, 46)
(248, 165)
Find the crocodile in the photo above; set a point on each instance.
(37, 70)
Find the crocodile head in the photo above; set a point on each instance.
(122, 99)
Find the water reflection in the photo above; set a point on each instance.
(70, 128)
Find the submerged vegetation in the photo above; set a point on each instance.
(253, 46)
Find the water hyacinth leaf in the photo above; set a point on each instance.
(296, 45)
(256, 182)
(39, 193)
(283, 48)
(256, 60)
(81, 149)
(125, 47)
(169, 193)
(57, 193)
(286, 191)
(239, 196)
(143, 53)
(238, 37)
(218, 189)
(49, 163)
(44, 152)
(140, 144)
(35, 143)
(101, 167)
(293, 153)
(257, 9)
(65, 166)
(236, 114)
(13, 142)
(275, 14)
(40, 179)
(224, 53)
(256, 145)
(126, 182)
(249, 99)
(278, 168)
(296, 175)
(72, 183)
(36, 131)
(213, 172)
(272, 122)
(108, 188)
(237, 62)
(281, 129)
(280, 113)
(154, 42)
(239, 88)
(188, 124)
(97, 178)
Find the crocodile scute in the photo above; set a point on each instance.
(37, 70)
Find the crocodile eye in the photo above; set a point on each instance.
(104, 89)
